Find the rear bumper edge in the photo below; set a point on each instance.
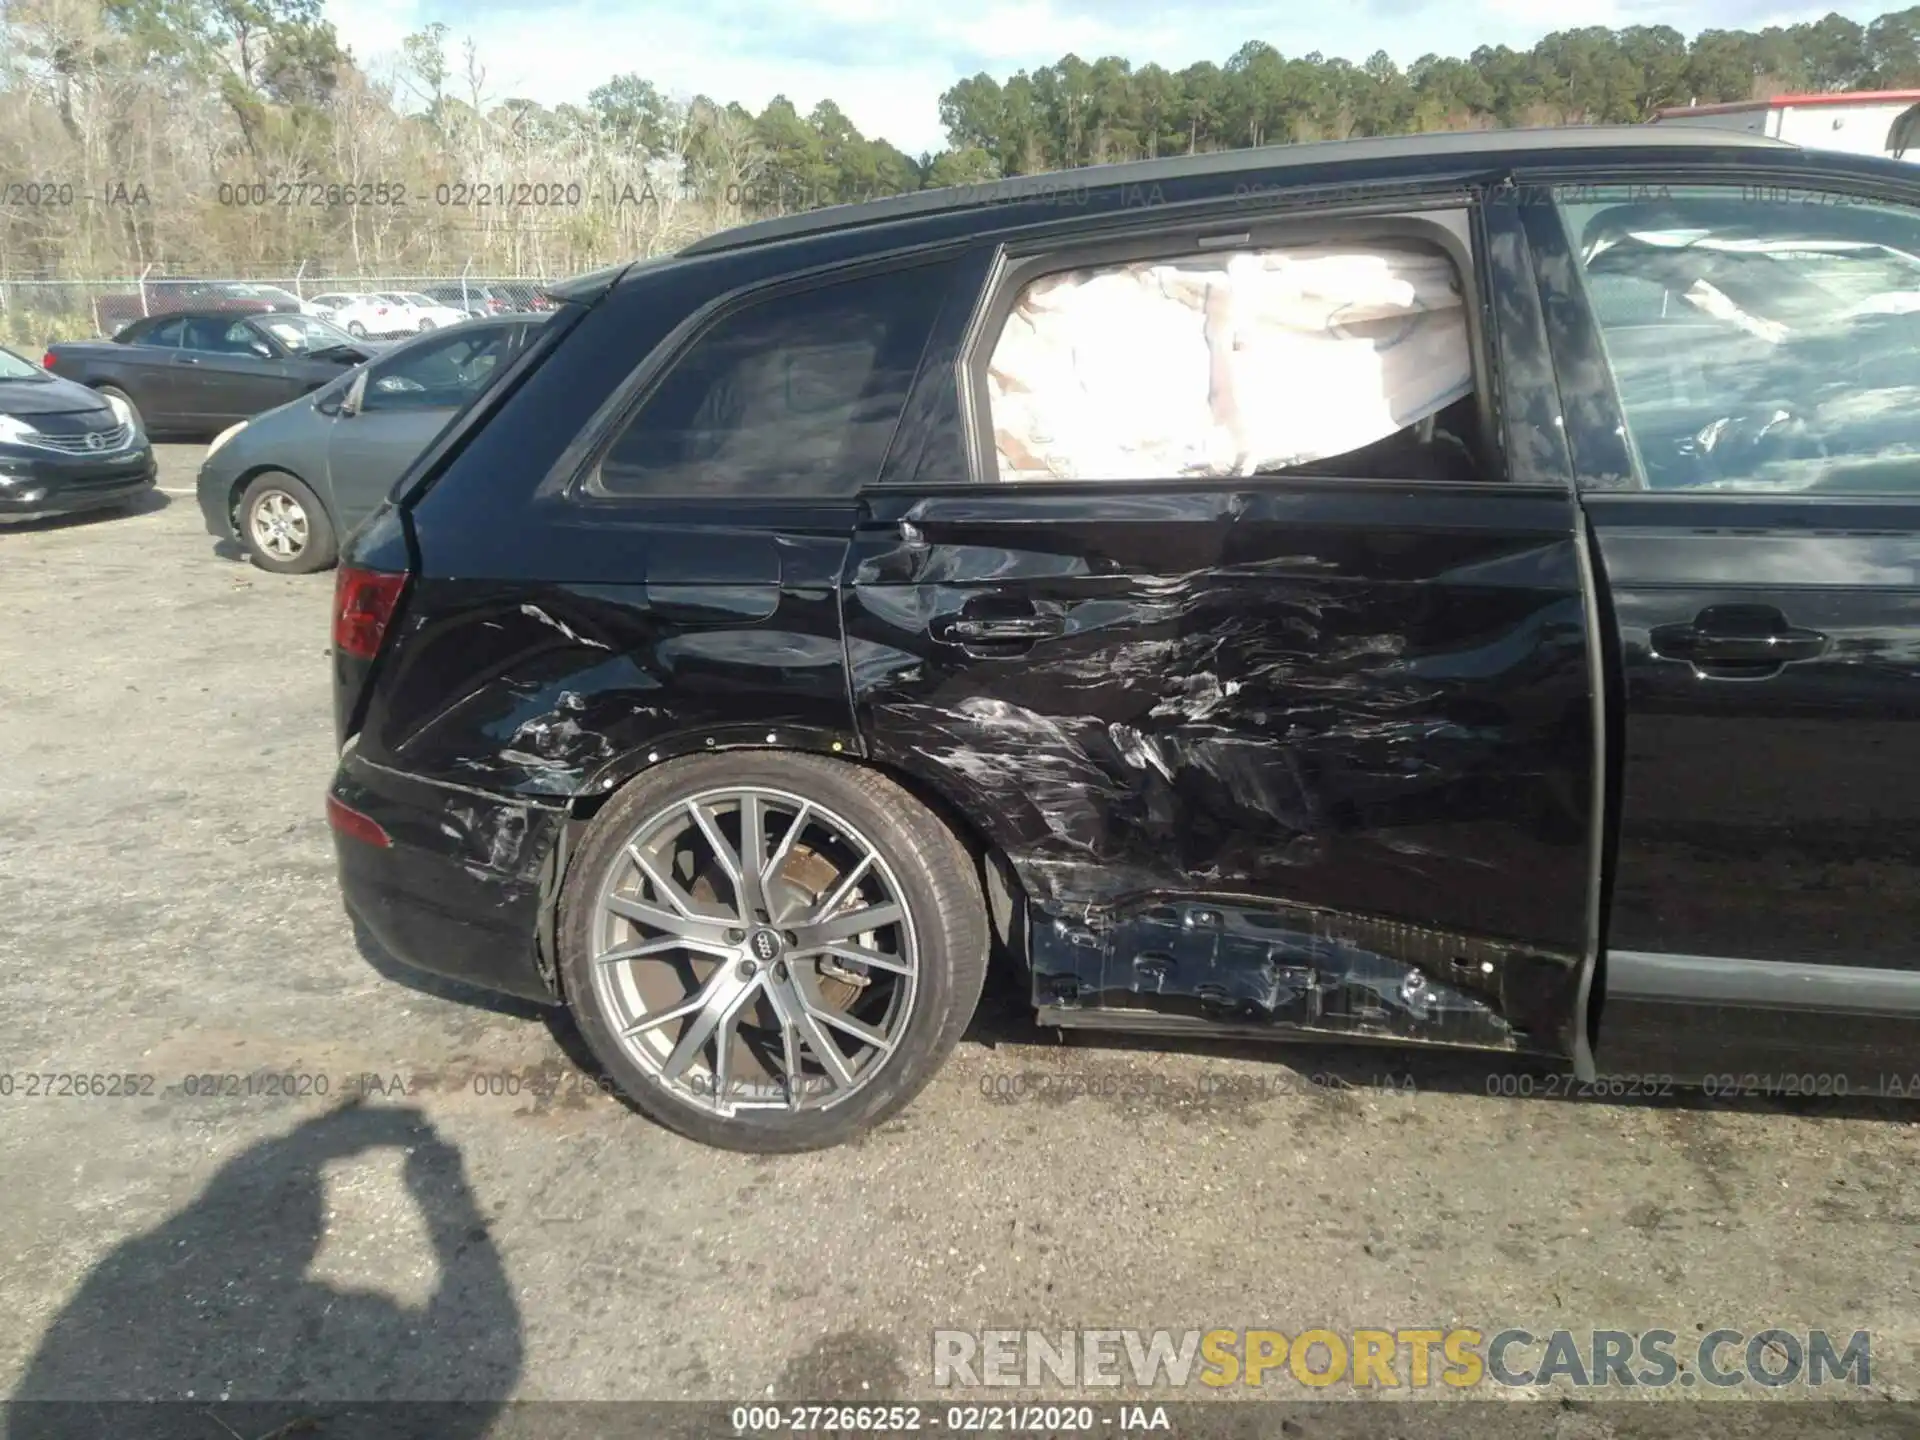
(459, 893)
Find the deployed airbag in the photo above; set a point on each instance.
(1225, 364)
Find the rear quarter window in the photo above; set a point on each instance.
(166, 333)
(795, 394)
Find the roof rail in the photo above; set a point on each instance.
(1439, 144)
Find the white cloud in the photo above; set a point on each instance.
(373, 29)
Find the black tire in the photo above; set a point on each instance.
(938, 883)
(114, 392)
(426, 324)
(356, 329)
(321, 546)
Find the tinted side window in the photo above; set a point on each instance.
(166, 333)
(440, 374)
(225, 337)
(796, 394)
(1770, 344)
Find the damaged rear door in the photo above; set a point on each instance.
(1252, 626)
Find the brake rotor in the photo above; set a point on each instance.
(803, 879)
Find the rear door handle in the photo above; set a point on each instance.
(1006, 627)
(1738, 635)
(987, 637)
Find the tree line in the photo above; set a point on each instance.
(240, 137)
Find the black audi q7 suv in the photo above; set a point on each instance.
(1459, 590)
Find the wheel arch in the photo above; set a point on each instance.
(1000, 885)
(252, 473)
(611, 775)
(939, 887)
(113, 382)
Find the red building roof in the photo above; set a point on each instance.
(1780, 102)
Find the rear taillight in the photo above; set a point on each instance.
(46, 361)
(348, 821)
(363, 605)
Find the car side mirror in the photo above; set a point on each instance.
(356, 395)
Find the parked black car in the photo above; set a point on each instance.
(198, 372)
(1268, 593)
(64, 448)
(287, 484)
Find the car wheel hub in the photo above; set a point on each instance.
(279, 525)
(753, 952)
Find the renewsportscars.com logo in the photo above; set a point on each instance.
(1459, 1358)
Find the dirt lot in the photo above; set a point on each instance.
(171, 914)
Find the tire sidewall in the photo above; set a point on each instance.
(931, 1030)
(319, 551)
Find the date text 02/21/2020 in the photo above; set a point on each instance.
(395, 194)
(952, 1419)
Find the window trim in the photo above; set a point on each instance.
(279, 351)
(572, 474)
(937, 389)
(1446, 221)
(1550, 242)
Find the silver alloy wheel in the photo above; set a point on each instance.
(773, 933)
(279, 524)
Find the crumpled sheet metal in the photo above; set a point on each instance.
(1227, 364)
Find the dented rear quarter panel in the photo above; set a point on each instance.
(549, 648)
(551, 691)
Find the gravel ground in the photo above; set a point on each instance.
(487, 1224)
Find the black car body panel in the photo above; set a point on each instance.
(1372, 701)
(462, 888)
(1380, 756)
(1761, 888)
(79, 456)
(184, 388)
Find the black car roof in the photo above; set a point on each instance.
(1223, 163)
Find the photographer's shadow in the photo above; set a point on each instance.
(216, 1311)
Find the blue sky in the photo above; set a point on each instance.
(886, 61)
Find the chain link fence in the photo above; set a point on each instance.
(37, 312)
